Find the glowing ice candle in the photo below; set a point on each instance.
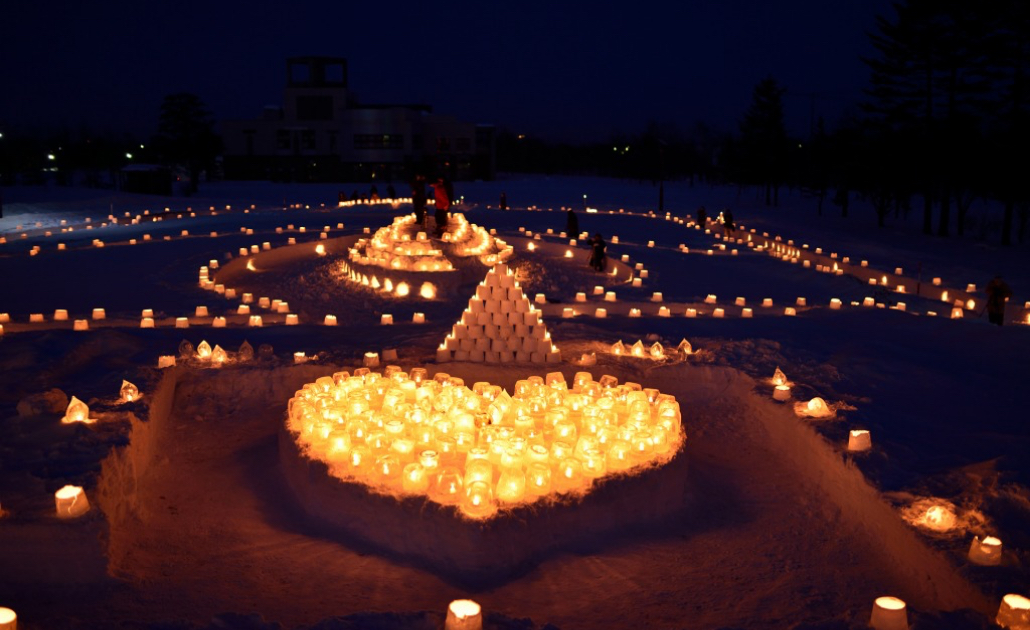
(128, 392)
(859, 440)
(99, 313)
(80, 324)
(77, 411)
(986, 551)
(1014, 612)
(218, 322)
(8, 619)
(464, 614)
(71, 502)
(889, 613)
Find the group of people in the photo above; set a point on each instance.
(727, 220)
(443, 195)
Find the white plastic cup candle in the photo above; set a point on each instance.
(81, 325)
(781, 392)
(8, 619)
(99, 313)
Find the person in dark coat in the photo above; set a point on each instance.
(997, 294)
(418, 199)
(702, 217)
(391, 193)
(504, 201)
(727, 218)
(442, 203)
(597, 248)
(571, 223)
(373, 194)
(354, 196)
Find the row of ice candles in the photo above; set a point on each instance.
(889, 613)
(147, 237)
(792, 253)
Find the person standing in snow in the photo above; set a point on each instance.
(373, 194)
(998, 294)
(418, 199)
(702, 217)
(597, 257)
(571, 223)
(442, 203)
(727, 217)
(504, 201)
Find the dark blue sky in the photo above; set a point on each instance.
(569, 70)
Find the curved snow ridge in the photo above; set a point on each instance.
(924, 578)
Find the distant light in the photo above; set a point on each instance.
(51, 156)
(799, 145)
(522, 136)
(1, 134)
(584, 196)
(615, 148)
(627, 148)
(128, 156)
(141, 146)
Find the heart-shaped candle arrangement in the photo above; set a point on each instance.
(481, 449)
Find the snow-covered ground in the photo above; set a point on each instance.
(783, 527)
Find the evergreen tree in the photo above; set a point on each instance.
(930, 79)
(763, 142)
(186, 134)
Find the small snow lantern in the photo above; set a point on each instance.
(985, 552)
(1014, 612)
(77, 411)
(781, 393)
(71, 502)
(8, 619)
(464, 614)
(859, 440)
(128, 392)
(889, 613)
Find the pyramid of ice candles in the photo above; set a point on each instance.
(499, 325)
(480, 449)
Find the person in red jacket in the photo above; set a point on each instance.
(442, 204)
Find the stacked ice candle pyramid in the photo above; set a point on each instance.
(499, 325)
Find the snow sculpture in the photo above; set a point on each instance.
(439, 439)
(684, 347)
(779, 378)
(499, 325)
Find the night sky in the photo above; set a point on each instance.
(564, 70)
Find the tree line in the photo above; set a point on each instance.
(943, 123)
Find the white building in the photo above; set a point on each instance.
(322, 134)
